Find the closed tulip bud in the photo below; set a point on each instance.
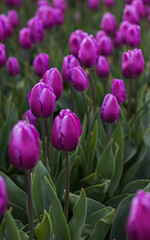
(138, 62)
(139, 217)
(100, 34)
(105, 46)
(88, 53)
(66, 131)
(102, 67)
(46, 14)
(118, 90)
(13, 18)
(25, 38)
(109, 3)
(108, 23)
(3, 197)
(36, 30)
(60, 4)
(110, 109)
(79, 79)
(43, 3)
(130, 14)
(24, 148)
(127, 65)
(42, 100)
(140, 8)
(41, 64)
(52, 77)
(123, 29)
(81, 34)
(93, 4)
(133, 36)
(2, 30)
(69, 62)
(13, 67)
(13, 3)
(75, 42)
(8, 30)
(118, 40)
(2, 55)
(59, 16)
(30, 117)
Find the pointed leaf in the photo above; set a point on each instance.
(43, 230)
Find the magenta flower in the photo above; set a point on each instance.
(118, 90)
(36, 30)
(69, 63)
(130, 14)
(109, 3)
(102, 67)
(123, 29)
(79, 79)
(105, 46)
(60, 4)
(13, 18)
(46, 14)
(2, 55)
(31, 118)
(118, 39)
(3, 197)
(75, 41)
(133, 37)
(25, 38)
(108, 23)
(59, 16)
(7, 27)
(41, 64)
(12, 66)
(93, 4)
(43, 3)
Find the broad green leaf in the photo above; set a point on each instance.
(40, 191)
(130, 149)
(147, 137)
(100, 231)
(92, 179)
(57, 217)
(79, 214)
(134, 186)
(23, 235)
(118, 138)
(12, 231)
(106, 164)
(43, 230)
(115, 201)
(82, 160)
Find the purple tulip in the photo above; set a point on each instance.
(13, 18)
(140, 8)
(110, 109)
(13, 67)
(133, 36)
(69, 62)
(109, 3)
(41, 64)
(139, 217)
(75, 41)
(59, 16)
(42, 100)
(100, 34)
(46, 14)
(31, 118)
(88, 52)
(128, 1)
(79, 79)
(2, 55)
(24, 148)
(2, 30)
(118, 39)
(130, 14)
(102, 67)
(105, 46)
(52, 77)
(108, 23)
(43, 3)
(3, 197)
(123, 29)
(93, 4)
(36, 30)
(25, 38)
(8, 30)
(66, 131)
(60, 4)
(118, 90)
(13, 3)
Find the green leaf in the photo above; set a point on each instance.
(147, 136)
(40, 191)
(115, 201)
(23, 235)
(106, 164)
(43, 230)
(134, 186)
(57, 216)
(79, 214)
(130, 149)
(118, 138)
(12, 231)
(92, 179)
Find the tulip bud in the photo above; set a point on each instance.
(41, 64)
(109, 3)
(3, 197)
(24, 148)
(108, 23)
(13, 3)
(118, 90)
(2, 55)
(93, 4)
(126, 64)
(42, 100)
(52, 77)
(25, 38)
(130, 14)
(128, 1)
(79, 79)
(60, 4)
(69, 62)
(31, 118)
(118, 40)
(133, 37)
(124, 26)
(105, 46)
(88, 52)
(139, 217)
(59, 16)
(13, 18)
(102, 67)
(2, 30)
(43, 3)
(140, 8)
(100, 34)
(12, 66)
(46, 14)
(110, 109)
(36, 30)
(8, 30)
(138, 62)
(66, 131)
(75, 41)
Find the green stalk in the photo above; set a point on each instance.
(92, 89)
(51, 148)
(2, 98)
(43, 142)
(87, 112)
(66, 207)
(129, 98)
(136, 97)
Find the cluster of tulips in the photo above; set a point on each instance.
(88, 54)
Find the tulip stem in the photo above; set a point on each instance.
(92, 89)
(43, 142)
(129, 98)
(66, 207)
(107, 134)
(72, 99)
(2, 97)
(87, 112)
(30, 205)
(51, 147)
(136, 98)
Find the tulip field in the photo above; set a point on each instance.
(75, 120)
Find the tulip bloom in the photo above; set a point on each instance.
(79, 79)
(69, 63)
(108, 23)
(8, 29)
(105, 46)
(2, 55)
(93, 4)
(60, 4)
(102, 67)
(36, 29)
(13, 67)
(66, 131)
(118, 39)
(24, 148)
(130, 14)
(109, 3)
(75, 41)
(13, 18)
(58, 16)
(41, 64)
(133, 36)
(123, 29)
(118, 90)
(46, 14)
(3, 197)
(25, 38)
(31, 118)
